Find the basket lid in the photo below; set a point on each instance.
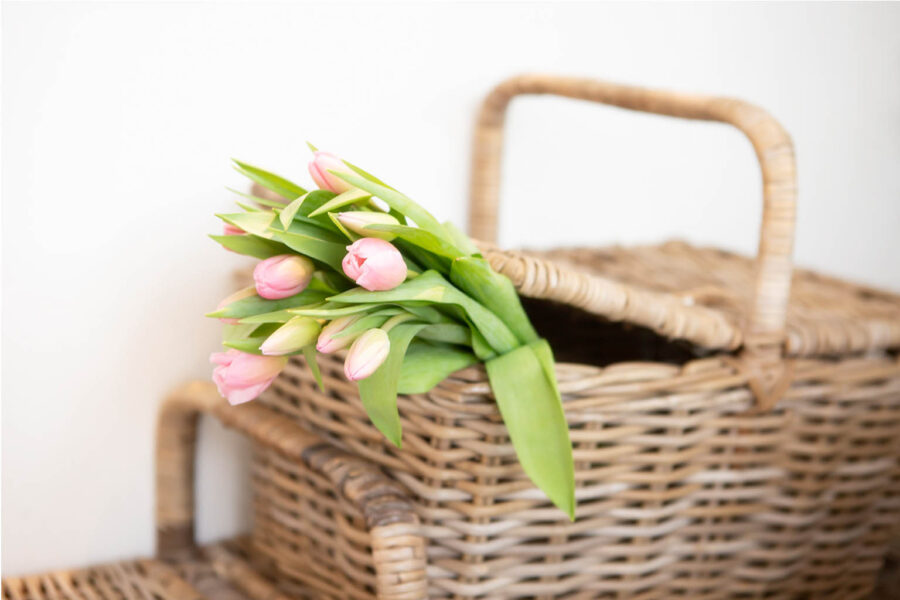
(702, 295)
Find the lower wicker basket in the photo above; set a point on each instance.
(735, 423)
(681, 491)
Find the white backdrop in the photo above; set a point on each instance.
(119, 120)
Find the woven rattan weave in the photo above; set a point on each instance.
(117, 581)
(735, 422)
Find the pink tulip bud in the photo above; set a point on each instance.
(294, 335)
(241, 377)
(230, 229)
(374, 264)
(366, 354)
(282, 276)
(358, 222)
(327, 343)
(319, 168)
(238, 295)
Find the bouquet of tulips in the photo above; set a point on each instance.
(356, 264)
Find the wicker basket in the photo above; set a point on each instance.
(736, 423)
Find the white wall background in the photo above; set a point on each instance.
(118, 122)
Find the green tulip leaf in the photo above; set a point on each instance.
(249, 345)
(421, 238)
(366, 174)
(532, 410)
(306, 227)
(332, 310)
(428, 260)
(480, 346)
(309, 353)
(398, 202)
(475, 277)
(367, 322)
(431, 287)
(426, 365)
(312, 202)
(351, 196)
(256, 305)
(251, 245)
(271, 181)
(426, 313)
(256, 223)
(449, 333)
(312, 246)
(287, 213)
(461, 240)
(278, 316)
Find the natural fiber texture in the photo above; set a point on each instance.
(219, 571)
(734, 422)
(317, 496)
(118, 581)
(702, 295)
(682, 490)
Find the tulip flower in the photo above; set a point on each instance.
(319, 168)
(366, 354)
(294, 335)
(230, 229)
(358, 222)
(327, 343)
(238, 295)
(241, 377)
(282, 276)
(374, 264)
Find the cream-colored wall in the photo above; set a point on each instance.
(118, 122)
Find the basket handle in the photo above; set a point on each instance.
(764, 332)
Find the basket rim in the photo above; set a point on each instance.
(827, 316)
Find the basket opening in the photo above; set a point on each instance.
(578, 336)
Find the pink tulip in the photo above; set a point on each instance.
(319, 168)
(366, 354)
(374, 264)
(238, 295)
(282, 276)
(230, 229)
(327, 343)
(241, 377)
